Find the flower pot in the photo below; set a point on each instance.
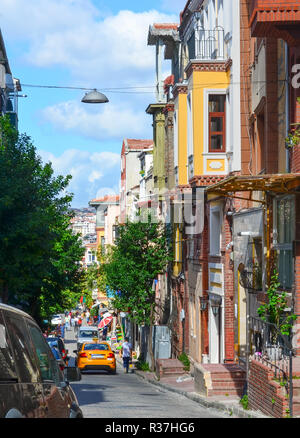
(274, 352)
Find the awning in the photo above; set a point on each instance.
(277, 183)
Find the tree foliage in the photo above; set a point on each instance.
(140, 254)
(39, 255)
(274, 311)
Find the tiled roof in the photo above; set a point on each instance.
(133, 143)
(165, 26)
(107, 198)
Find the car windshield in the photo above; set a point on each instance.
(96, 347)
(88, 334)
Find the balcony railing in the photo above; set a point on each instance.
(209, 44)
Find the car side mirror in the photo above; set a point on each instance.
(72, 374)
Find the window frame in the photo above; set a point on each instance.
(221, 115)
(214, 210)
(206, 122)
(284, 246)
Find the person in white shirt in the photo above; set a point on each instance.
(126, 352)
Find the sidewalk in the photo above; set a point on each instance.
(184, 385)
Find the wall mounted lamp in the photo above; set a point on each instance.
(203, 303)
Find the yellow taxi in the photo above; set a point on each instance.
(96, 356)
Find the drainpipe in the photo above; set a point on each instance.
(287, 104)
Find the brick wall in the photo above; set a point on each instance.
(264, 393)
(245, 85)
(228, 289)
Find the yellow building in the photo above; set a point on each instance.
(206, 117)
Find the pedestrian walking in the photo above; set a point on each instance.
(62, 330)
(126, 352)
(68, 321)
(104, 333)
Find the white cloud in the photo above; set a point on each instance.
(91, 172)
(111, 121)
(83, 47)
(73, 34)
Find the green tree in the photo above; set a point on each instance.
(140, 254)
(39, 256)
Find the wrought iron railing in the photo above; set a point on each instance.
(269, 346)
(209, 44)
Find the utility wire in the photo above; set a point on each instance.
(130, 89)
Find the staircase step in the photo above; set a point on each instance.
(296, 406)
(228, 385)
(224, 392)
(296, 387)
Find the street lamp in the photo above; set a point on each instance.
(215, 309)
(94, 96)
(203, 303)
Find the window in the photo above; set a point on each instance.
(91, 257)
(175, 140)
(7, 366)
(96, 347)
(216, 112)
(24, 354)
(88, 334)
(284, 231)
(47, 363)
(189, 125)
(215, 230)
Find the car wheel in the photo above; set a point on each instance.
(113, 371)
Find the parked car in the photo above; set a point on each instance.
(86, 334)
(61, 347)
(31, 382)
(56, 319)
(57, 355)
(96, 356)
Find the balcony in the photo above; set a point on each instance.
(209, 44)
(279, 19)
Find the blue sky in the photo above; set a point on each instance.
(90, 44)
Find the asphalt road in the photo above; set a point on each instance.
(102, 395)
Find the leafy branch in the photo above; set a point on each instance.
(293, 138)
(274, 311)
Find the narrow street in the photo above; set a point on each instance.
(101, 395)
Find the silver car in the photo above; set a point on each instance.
(86, 334)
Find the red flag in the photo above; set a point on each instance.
(81, 299)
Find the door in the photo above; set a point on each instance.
(242, 318)
(11, 402)
(29, 382)
(55, 390)
(215, 338)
